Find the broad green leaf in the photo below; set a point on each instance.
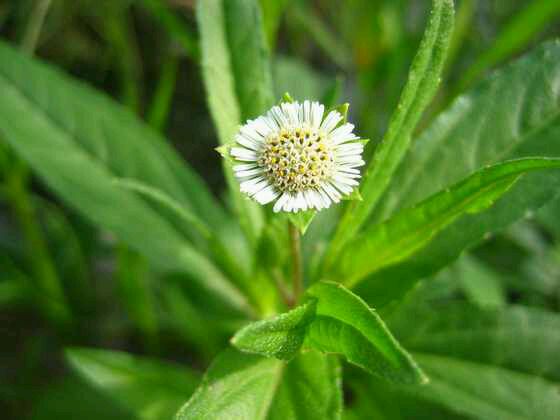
(280, 337)
(373, 399)
(83, 132)
(514, 36)
(423, 80)
(151, 389)
(517, 338)
(517, 122)
(243, 386)
(411, 229)
(220, 70)
(73, 397)
(520, 104)
(487, 392)
(344, 324)
(236, 385)
(487, 363)
(311, 388)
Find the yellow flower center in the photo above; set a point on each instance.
(297, 159)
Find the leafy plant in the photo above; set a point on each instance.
(383, 306)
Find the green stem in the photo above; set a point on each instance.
(37, 250)
(297, 276)
(29, 41)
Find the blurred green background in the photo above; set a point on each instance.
(144, 54)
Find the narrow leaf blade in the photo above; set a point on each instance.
(423, 80)
(393, 241)
(150, 388)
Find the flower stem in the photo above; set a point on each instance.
(297, 277)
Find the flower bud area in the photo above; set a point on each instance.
(296, 159)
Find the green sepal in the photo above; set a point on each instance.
(286, 98)
(225, 151)
(354, 195)
(302, 219)
(343, 109)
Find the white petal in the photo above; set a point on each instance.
(266, 195)
(240, 153)
(277, 114)
(323, 196)
(250, 186)
(290, 203)
(307, 112)
(252, 134)
(333, 194)
(247, 142)
(280, 202)
(317, 111)
(244, 166)
(290, 110)
(333, 118)
(344, 179)
(249, 173)
(346, 189)
(260, 126)
(342, 134)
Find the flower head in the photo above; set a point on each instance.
(295, 156)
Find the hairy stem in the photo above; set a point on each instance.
(297, 276)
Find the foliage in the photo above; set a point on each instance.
(433, 293)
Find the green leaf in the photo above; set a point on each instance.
(344, 324)
(411, 229)
(151, 389)
(235, 385)
(487, 363)
(73, 397)
(249, 56)
(239, 385)
(486, 391)
(517, 121)
(297, 77)
(548, 216)
(310, 389)
(514, 36)
(307, 20)
(226, 71)
(279, 337)
(520, 121)
(423, 80)
(517, 338)
(481, 285)
(83, 132)
(164, 201)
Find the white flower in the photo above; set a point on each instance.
(294, 156)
